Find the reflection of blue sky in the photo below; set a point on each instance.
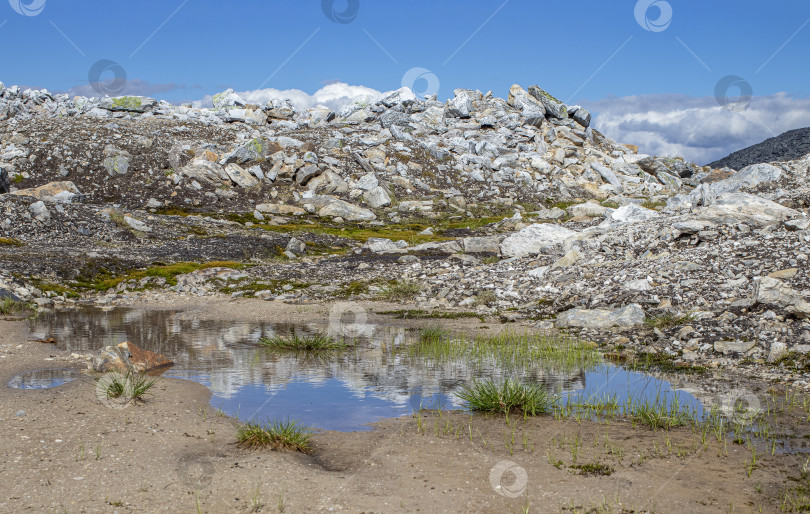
(43, 378)
(344, 392)
(606, 381)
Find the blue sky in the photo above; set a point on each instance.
(598, 53)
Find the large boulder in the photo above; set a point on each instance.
(553, 106)
(489, 245)
(205, 171)
(775, 293)
(750, 177)
(628, 214)
(626, 317)
(128, 356)
(753, 209)
(53, 192)
(116, 161)
(39, 211)
(382, 245)
(608, 174)
(227, 98)
(240, 176)
(280, 209)
(535, 239)
(461, 105)
(377, 197)
(336, 208)
(138, 104)
(531, 108)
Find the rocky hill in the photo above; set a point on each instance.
(514, 209)
(789, 146)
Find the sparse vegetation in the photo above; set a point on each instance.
(400, 290)
(508, 397)
(669, 320)
(592, 469)
(433, 334)
(659, 414)
(487, 297)
(10, 306)
(354, 288)
(298, 343)
(130, 387)
(10, 241)
(275, 435)
(420, 314)
(655, 205)
(104, 280)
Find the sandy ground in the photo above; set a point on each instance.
(71, 452)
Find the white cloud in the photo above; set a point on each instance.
(334, 96)
(698, 129)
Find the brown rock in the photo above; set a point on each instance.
(784, 273)
(49, 191)
(208, 155)
(126, 356)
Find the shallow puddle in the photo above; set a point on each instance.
(43, 378)
(379, 377)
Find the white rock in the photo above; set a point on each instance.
(349, 212)
(535, 239)
(773, 292)
(137, 224)
(39, 211)
(752, 208)
(626, 317)
(240, 176)
(628, 214)
(377, 197)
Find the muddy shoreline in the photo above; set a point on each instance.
(176, 453)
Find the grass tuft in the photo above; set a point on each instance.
(507, 397)
(276, 435)
(314, 343)
(422, 314)
(400, 290)
(659, 414)
(130, 387)
(434, 334)
(10, 241)
(10, 306)
(592, 470)
(669, 320)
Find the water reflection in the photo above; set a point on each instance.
(343, 391)
(43, 378)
